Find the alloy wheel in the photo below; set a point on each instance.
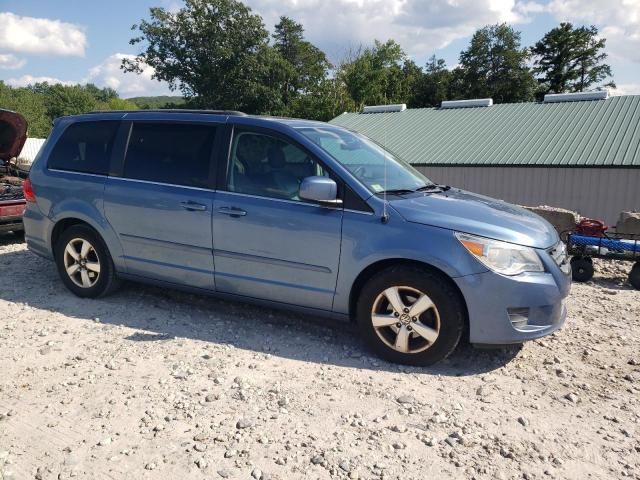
(405, 319)
(82, 263)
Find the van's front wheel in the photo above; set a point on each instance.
(410, 315)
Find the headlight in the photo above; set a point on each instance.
(502, 257)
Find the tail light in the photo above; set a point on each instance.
(27, 190)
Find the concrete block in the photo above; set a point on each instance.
(629, 222)
(562, 220)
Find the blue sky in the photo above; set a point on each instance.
(79, 41)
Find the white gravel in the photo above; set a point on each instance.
(158, 384)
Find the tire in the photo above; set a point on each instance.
(85, 282)
(582, 269)
(634, 276)
(399, 338)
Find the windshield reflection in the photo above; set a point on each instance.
(378, 169)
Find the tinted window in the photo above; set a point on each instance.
(84, 147)
(178, 154)
(268, 166)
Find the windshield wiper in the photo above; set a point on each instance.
(396, 191)
(432, 187)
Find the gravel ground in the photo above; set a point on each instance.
(156, 384)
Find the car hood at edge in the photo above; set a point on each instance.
(475, 214)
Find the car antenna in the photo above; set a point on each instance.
(385, 214)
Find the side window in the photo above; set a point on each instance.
(268, 166)
(174, 153)
(84, 147)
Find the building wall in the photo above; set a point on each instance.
(593, 192)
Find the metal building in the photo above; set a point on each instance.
(575, 151)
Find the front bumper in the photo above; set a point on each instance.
(497, 304)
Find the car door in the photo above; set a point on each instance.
(160, 201)
(268, 243)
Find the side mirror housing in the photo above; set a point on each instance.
(322, 190)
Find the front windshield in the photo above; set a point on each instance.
(377, 169)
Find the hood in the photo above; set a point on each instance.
(13, 134)
(478, 215)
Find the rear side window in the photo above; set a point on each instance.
(85, 147)
(178, 154)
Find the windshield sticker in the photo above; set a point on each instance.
(377, 187)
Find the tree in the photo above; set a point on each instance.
(569, 59)
(101, 94)
(495, 65)
(307, 64)
(209, 50)
(327, 100)
(379, 75)
(64, 100)
(30, 105)
(433, 86)
(41, 103)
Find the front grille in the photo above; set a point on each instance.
(559, 255)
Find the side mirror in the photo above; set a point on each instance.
(322, 190)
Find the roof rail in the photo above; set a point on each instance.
(473, 102)
(576, 97)
(177, 110)
(398, 107)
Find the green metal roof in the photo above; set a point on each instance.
(591, 133)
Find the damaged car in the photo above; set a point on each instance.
(13, 134)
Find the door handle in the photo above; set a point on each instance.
(232, 211)
(193, 206)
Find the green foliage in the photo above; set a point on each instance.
(306, 64)
(380, 74)
(117, 104)
(327, 100)
(433, 86)
(41, 103)
(570, 59)
(218, 54)
(495, 65)
(154, 103)
(32, 106)
(209, 50)
(64, 100)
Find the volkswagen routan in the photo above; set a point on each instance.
(293, 214)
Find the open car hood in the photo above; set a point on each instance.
(13, 134)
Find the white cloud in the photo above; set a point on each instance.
(109, 74)
(619, 22)
(172, 5)
(40, 35)
(419, 26)
(25, 80)
(11, 62)
(626, 89)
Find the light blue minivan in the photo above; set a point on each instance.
(295, 214)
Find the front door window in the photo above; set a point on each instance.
(267, 166)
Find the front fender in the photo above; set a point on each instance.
(366, 240)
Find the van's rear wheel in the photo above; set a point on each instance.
(410, 315)
(84, 263)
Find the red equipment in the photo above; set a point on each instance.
(591, 227)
